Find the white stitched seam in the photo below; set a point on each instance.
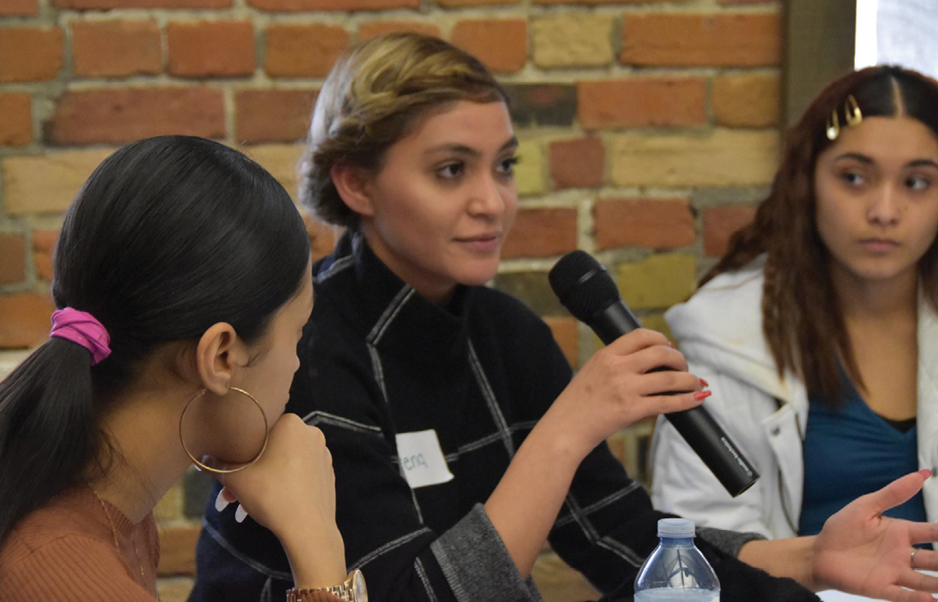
(390, 312)
(488, 440)
(601, 503)
(426, 581)
(391, 545)
(257, 566)
(489, 396)
(378, 370)
(621, 550)
(339, 265)
(591, 534)
(318, 417)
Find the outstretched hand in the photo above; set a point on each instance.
(863, 552)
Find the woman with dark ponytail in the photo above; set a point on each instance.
(182, 279)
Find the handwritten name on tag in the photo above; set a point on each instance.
(422, 460)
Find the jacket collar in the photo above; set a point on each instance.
(387, 312)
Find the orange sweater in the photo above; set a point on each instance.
(65, 551)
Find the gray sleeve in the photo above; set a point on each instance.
(729, 542)
(477, 564)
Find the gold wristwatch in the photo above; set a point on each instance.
(353, 590)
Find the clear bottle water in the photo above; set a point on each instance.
(676, 571)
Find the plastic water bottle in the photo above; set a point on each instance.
(676, 571)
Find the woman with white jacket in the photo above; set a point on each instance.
(818, 331)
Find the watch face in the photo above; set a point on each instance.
(359, 590)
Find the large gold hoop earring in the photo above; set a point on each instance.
(210, 469)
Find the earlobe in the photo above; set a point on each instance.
(351, 182)
(218, 355)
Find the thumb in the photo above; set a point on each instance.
(898, 492)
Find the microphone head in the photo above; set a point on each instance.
(582, 284)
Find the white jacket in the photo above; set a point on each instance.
(720, 333)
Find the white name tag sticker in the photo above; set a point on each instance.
(422, 460)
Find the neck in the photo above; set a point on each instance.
(876, 301)
(438, 293)
(148, 458)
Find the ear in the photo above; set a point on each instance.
(351, 182)
(218, 355)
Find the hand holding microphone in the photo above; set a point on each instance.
(589, 293)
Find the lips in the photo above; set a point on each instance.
(879, 245)
(483, 243)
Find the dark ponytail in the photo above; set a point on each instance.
(168, 236)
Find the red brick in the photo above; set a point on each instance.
(12, 258)
(745, 100)
(542, 232)
(651, 223)
(177, 551)
(116, 48)
(377, 28)
(502, 44)
(112, 116)
(19, 8)
(303, 50)
(25, 319)
(720, 223)
(641, 102)
(16, 123)
(272, 115)
(725, 40)
(565, 333)
(321, 236)
(112, 4)
(467, 3)
(342, 5)
(211, 48)
(30, 54)
(43, 248)
(578, 163)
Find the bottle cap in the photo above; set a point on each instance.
(675, 527)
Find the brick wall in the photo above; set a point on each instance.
(648, 129)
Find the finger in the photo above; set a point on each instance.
(924, 533)
(917, 581)
(894, 593)
(655, 383)
(224, 498)
(668, 404)
(898, 492)
(656, 358)
(638, 339)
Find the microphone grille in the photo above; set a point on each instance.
(582, 284)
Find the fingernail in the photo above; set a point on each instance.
(702, 395)
(671, 345)
(703, 382)
(240, 514)
(220, 502)
(925, 473)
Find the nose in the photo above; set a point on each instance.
(488, 198)
(885, 208)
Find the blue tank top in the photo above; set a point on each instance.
(850, 452)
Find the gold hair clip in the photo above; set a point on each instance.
(833, 126)
(852, 111)
(852, 114)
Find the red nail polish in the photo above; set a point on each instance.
(702, 395)
(703, 382)
(926, 473)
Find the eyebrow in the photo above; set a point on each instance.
(462, 149)
(868, 161)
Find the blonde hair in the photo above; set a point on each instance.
(374, 95)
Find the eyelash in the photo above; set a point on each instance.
(506, 164)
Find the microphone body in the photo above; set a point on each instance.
(589, 293)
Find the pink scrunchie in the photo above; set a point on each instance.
(82, 328)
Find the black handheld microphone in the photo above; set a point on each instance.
(589, 293)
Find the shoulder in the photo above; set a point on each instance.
(728, 308)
